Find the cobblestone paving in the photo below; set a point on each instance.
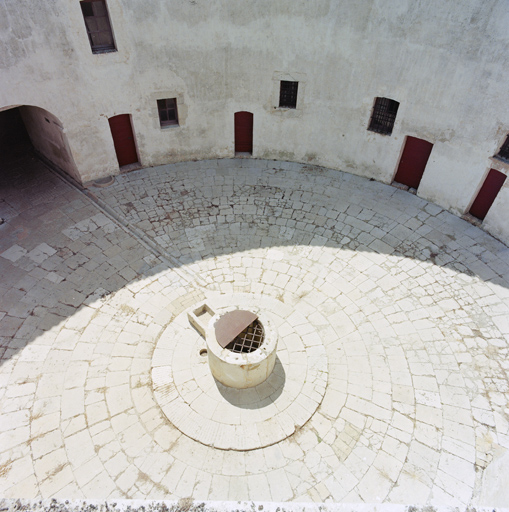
(411, 305)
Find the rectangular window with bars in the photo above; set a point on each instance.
(288, 94)
(503, 152)
(98, 26)
(168, 115)
(384, 116)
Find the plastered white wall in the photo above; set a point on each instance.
(445, 62)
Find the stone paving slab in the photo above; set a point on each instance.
(409, 302)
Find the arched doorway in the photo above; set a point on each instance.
(413, 162)
(487, 194)
(123, 139)
(26, 128)
(244, 133)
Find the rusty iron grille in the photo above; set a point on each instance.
(503, 152)
(249, 339)
(288, 94)
(384, 116)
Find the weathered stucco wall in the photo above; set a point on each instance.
(445, 62)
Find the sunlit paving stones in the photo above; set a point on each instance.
(393, 318)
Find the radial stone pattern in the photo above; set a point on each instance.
(391, 381)
(241, 419)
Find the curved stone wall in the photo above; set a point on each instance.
(445, 63)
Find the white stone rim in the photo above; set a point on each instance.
(296, 404)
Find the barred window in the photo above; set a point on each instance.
(384, 116)
(167, 112)
(98, 25)
(503, 152)
(288, 94)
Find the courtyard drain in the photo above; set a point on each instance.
(104, 182)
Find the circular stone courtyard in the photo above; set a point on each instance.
(391, 380)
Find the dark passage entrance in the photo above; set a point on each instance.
(14, 139)
(243, 132)
(489, 190)
(28, 130)
(123, 139)
(413, 161)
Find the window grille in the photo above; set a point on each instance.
(503, 152)
(167, 112)
(384, 116)
(98, 25)
(288, 94)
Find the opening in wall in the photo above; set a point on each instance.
(97, 22)
(503, 152)
(383, 116)
(288, 94)
(487, 194)
(29, 130)
(123, 140)
(413, 162)
(243, 133)
(168, 115)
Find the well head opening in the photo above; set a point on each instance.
(249, 339)
(239, 331)
(241, 343)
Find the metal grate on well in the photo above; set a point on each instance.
(249, 339)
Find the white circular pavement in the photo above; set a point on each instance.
(392, 381)
(240, 419)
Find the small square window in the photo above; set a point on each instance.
(503, 152)
(384, 116)
(168, 112)
(98, 26)
(288, 94)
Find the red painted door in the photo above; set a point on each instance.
(489, 190)
(123, 139)
(243, 132)
(413, 161)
